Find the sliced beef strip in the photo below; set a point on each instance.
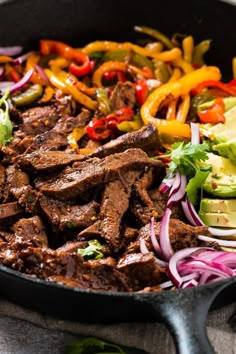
(15, 181)
(141, 214)
(31, 229)
(41, 161)
(50, 140)
(64, 215)
(146, 138)
(181, 236)
(85, 175)
(67, 124)
(68, 269)
(123, 95)
(160, 200)
(114, 204)
(141, 270)
(38, 120)
(28, 199)
(9, 210)
(141, 186)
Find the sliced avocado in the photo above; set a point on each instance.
(209, 205)
(221, 181)
(219, 219)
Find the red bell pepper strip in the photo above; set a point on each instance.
(97, 130)
(141, 89)
(214, 84)
(48, 46)
(214, 114)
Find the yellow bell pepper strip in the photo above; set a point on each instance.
(183, 109)
(29, 96)
(31, 62)
(61, 80)
(171, 111)
(167, 55)
(103, 101)
(5, 59)
(81, 86)
(48, 46)
(107, 67)
(188, 46)
(60, 63)
(175, 89)
(176, 75)
(185, 66)
(48, 94)
(154, 47)
(146, 72)
(199, 51)
(155, 34)
(128, 56)
(75, 136)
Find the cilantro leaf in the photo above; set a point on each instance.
(5, 122)
(92, 251)
(92, 345)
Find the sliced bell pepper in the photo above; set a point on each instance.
(62, 80)
(29, 96)
(31, 62)
(175, 89)
(155, 34)
(141, 89)
(214, 84)
(48, 46)
(214, 114)
(109, 66)
(188, 45)
(97, 130)
(199, 51)
(131, 125)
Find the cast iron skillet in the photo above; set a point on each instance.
(78, 21)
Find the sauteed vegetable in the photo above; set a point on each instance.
(117, 164)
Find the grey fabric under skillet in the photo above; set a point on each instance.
(151, 337)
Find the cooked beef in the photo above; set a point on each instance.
(32, 230)
(181, 236)
(141, 270)
(67, 124)
(114, 204)
(85, 175)
(38, 120)
(123, 95)
(130, 233)
(72, 246)
(142, 185)
(63, 267)
(2, 180)
(146, 138)
(40, 161)
(50, 140)
(140, 213)
(28, 199)
(8, 210)
(160, 200)
(64, 215)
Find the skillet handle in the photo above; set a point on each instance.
(185, 315)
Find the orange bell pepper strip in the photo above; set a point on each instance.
(175, 89)
(31, 61)
(5, 59)
(48, 46)
(231, 91)
(61, 80)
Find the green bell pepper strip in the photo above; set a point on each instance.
(29, 96)
(134, 58)
(199, 51)
(155, 34)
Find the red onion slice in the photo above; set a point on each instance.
(164, 237)
(22, 58)
(195, 133)
(6, 85)
(176, 259)
(176, 184)
(20, 84)
(227, 258)
(194, 214)
(187, 213)
(11, 51)
(166, 184)
(221, 232)
(201, 266)
(145, 250)
(178, 195)
(224, 243)
(155, 243)
(189, 284)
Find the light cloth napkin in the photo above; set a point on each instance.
(151, 337)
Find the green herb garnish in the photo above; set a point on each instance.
(92, 251)
(187, 158)
(5, 122)
(92, 345)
